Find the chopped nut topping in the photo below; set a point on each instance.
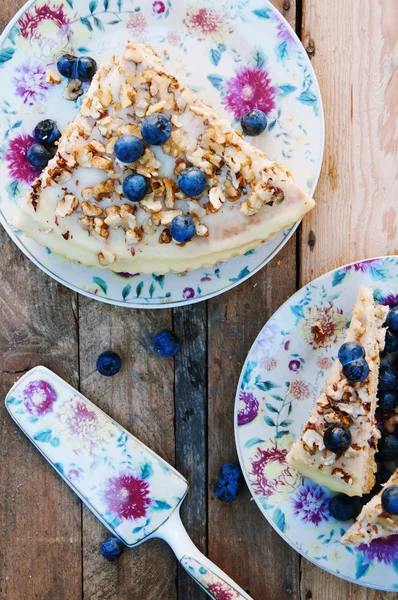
(149, 204)
(53, 77)
(216, 199)
(99, 191)
(133, 236)
(96, 146)
(66, 206)
(101, 162)
(121, 216)
(133, 54)
(91, 210)
(73, 90)
(104, 95)
(170, 195)
(165, 237)
(101, 227)
(106, 257)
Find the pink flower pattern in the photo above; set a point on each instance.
(220, 592)
(173, 38)
(322, 325)
(30, 82)
(39, 397)
(299, 389)
(262, 484)
(17, 162)
(158, 7)
(137, 24)
(30, 21)
(208, 21)
(250, 88)
(324, 363)
(127, 496)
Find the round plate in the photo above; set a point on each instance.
(236, 55)
(283, 374)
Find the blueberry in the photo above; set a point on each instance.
(166, 344)
(344, 508)
(38, 156)
(231, 472)
(128, 148)
(388, 448)
(382, 476)
(109, 363)
(156, 129)
(192, 181)
(47, 133)
(85, 68)
(387, 379)
(337, 438)
(182, 228)
(66, 65)
(389, 500)
(388, 400)
(111, 548)
(350, 351)
(254, 122)
(391, 341)
(392, 318)
(135, 187)
(357, 370)
(226, 490)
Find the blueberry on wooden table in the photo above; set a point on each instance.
(166, 343)
(156, 129)
(38, 156)
(254, 122)
(109, 363)
(392, 319)
(228, 485)
(182, 228)
(111, 548)
(192, 181)
(47, 133)
(128, 148)
(389, 500)
(337, 438)
(231, 471)
(344, 508)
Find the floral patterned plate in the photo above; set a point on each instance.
(236, 54)
(283, 373)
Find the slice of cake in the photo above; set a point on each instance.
(187, 192)
(378, 518)
(337, 445)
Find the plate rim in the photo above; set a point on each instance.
(239, 450)
(184, 302)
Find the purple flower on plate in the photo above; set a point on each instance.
(30, 81)
(158, 7)
(250, 88)
(188, 293)
(267, 337)
(384, 550)
(391, 300)
(73, 474)
(311, 503)
(39, 397)
(294, 365)
(364, 266)
(127, 275)
(249, 412)
(17, 162)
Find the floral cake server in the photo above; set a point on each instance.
(133, 492)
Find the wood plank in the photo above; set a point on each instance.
(190, 324)
(40, 518)
(240, 540)
(353, 56)
(140, 398)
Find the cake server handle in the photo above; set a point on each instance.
(209, 577)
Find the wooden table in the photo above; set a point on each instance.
(184, 410)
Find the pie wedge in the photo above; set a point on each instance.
(373, 522)
(350, 404)
(77, 208)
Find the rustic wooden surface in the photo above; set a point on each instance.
(49, 544)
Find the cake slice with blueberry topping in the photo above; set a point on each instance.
(337, 445)
(147, 178)
(378, 518)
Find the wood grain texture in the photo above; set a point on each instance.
(355, 56)
(140, 398)
(40, 519)
(190, 324)
(240, 540)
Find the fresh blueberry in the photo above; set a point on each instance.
(350, 351)
(387, 379)
(109, 363)
(128, 148)
(337, 438)
(111, 548)
(156, 129)
(231, 472)
(382, 475)
(38, 156)
(182, 228)
(254, 122)
(47, 133)
(389, 499)
(344, 508)
(135, 187)
(226, 490)
(392, 318)
(192, 181)
(66, 65)
(388, 400)
(387, 448)
(166, 344)
(391, 341)
(84, 68)
(357, 370)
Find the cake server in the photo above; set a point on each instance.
(131, 490)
